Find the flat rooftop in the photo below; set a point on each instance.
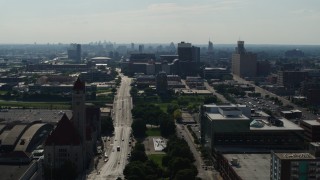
(224, 105)
(229, 109)
(312, 122)
(13, 171)
(29, 115)
(294, 156)
(187, 117)
(218, 116)
(194, 91)
(287, 125)
(251, 166)
(105, 110)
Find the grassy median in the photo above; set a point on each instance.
(157, 158)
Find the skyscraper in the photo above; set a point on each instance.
(187, 52)
(141, 48)
(189, 59)
(244, 64)
(74, 52)
(210, 47)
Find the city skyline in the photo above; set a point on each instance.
(223, 22)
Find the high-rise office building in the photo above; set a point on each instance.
(210, 47)
(244, 64)
(189, 60)
(141, 48)
(74, 52)
(187, 52)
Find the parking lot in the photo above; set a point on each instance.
(259, 103)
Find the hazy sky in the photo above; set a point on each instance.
(160, 21)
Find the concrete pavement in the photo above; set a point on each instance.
(114, 167)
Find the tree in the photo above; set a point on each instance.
(139, 147)
(182, 101)
(134, 170)
(138, 128)
(138, 156)
(152, 169)
(138, 153)
(171, 108)
(167, 126)
(185, 174)
(118, 81)
(149, 91)
(210, 99)
(113, 90)
(177, 164)
(134, 91)
(177, 114)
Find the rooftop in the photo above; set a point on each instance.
(105, 110)
(218, 116)
(251, 166)
(29, 115)
(100, 58)
(64, 134)
(229, 109)
(187, 117)
(14, 134)
(312, 122)
(13, 171)
(29, 135)
(294, 156)
(287, 125)
(194, 91)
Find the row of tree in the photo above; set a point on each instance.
(107, 127)
(179, 160)
(140, 167)
(151, 114)
(177, 163)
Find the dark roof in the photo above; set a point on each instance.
(79, 85)
(15, 154)
(64, 134)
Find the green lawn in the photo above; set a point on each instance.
(157, 158)
(3, 92)
(41, 105)
(163, 106)
(153, 132)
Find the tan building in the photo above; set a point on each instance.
(244, 64)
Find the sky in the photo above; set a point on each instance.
(160, 21)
